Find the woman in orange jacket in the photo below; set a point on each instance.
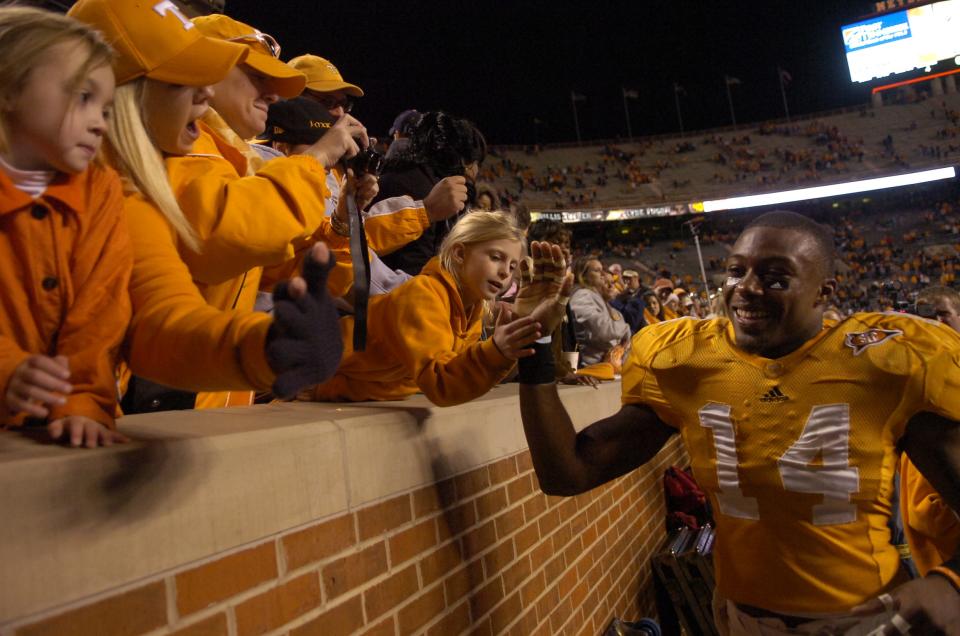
(164, 69)
(424, 336)
(63, 242)
(248, 214)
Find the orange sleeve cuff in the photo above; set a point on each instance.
(253, 355)
(85, 405)
(490, 354)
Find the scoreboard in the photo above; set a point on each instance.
(917, 38)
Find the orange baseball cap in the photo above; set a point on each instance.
(154, 39)
(323, 76)
(263, 52)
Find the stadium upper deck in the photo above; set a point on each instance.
(815, 150)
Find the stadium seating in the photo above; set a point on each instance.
(825, 148)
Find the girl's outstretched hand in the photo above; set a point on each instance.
(514, 336)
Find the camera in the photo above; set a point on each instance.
(367, 161)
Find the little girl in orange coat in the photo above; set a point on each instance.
(65, 256)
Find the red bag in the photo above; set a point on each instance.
(686, 503)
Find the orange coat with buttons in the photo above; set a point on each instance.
(419, 338)
(65, 262)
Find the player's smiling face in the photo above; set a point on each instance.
(775, 290)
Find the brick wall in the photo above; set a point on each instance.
(484, 552)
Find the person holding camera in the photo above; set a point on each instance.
(293, 126)
(396, 219)
(445, 154)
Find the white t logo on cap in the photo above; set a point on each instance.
(167, 6)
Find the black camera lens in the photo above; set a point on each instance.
(367, 161)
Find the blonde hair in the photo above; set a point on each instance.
(479, 227)
(25, 34)
(132, 152)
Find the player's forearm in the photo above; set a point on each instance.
(552, 440)
(569, 463)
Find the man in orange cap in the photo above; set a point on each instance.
(325, 84)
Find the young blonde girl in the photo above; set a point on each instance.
(65, 255)
(424, 336)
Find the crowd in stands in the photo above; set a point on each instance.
(769, 156)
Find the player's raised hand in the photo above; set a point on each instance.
(545, 286)
(304, 344)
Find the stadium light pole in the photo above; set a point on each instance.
(695, 231)
(574, 98)
(730, 81)
(677, 89)
(631, 94)
(784, 77)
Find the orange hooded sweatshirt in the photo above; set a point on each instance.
(420, 338)
(65, 261)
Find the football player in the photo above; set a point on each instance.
(793, 427)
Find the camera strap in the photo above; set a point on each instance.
(360, 258)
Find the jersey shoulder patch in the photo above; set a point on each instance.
(859, 341)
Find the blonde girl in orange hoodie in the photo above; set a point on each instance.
(424, 336)
(65, 257)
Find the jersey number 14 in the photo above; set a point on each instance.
(826, 434)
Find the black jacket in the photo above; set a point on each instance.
(415, 181)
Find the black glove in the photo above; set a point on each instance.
(304, 345)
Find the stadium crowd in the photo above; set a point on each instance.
(190, 222)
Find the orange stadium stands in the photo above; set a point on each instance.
(814, 150)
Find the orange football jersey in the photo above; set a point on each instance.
(798, 453)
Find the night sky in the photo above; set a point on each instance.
(503, 64)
